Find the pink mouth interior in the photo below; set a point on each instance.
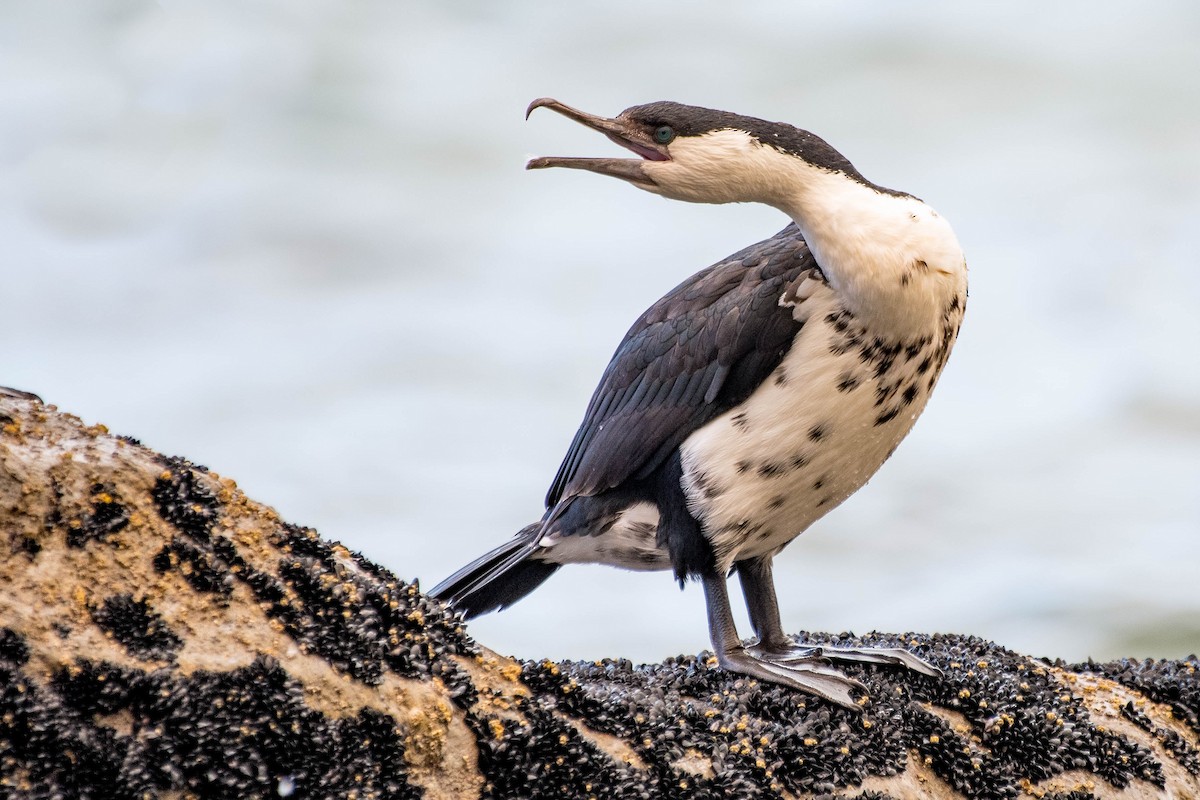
(645, 152)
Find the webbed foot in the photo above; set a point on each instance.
(791, 654)
(811, 675)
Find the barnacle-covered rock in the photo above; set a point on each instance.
(163, 635)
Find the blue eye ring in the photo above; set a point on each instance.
(663, 134)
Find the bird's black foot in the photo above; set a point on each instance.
(812, 675)
(777, 658)
(791, 654)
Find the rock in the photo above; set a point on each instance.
(163, 635)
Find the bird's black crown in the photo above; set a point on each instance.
(694, 121)
(688, 120)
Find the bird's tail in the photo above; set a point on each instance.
(498, 578)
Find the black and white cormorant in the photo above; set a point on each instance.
(755, 396)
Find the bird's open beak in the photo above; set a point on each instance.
(623, 132)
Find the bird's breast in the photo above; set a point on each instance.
(814, 432)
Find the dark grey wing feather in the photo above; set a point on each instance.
(696, 353)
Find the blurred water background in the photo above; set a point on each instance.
(293, 241)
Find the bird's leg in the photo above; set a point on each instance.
(758, 587)
(809, 676)
(775, 646)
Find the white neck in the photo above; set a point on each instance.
(893, 259)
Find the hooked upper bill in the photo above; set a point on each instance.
(629, 134)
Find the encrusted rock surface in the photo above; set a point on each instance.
(161, 635)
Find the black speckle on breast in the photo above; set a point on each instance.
(847, 334)
(772, 469)
(706, 485)
(840, 320)
(887, 416)
(818, 432)
(884, 392)
(915, 348)
(886, 357)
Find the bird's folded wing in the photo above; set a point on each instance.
(700, 350)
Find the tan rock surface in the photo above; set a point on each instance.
(162, 635)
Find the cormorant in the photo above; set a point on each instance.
(755, 396)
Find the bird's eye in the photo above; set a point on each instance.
(663, 134)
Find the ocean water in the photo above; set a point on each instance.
(294, 241)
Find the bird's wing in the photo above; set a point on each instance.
(696, 353)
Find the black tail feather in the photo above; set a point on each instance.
(498, 578)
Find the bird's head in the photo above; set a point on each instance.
(702, 155)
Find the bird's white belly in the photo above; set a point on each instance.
(811, 435)
(631, 542)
